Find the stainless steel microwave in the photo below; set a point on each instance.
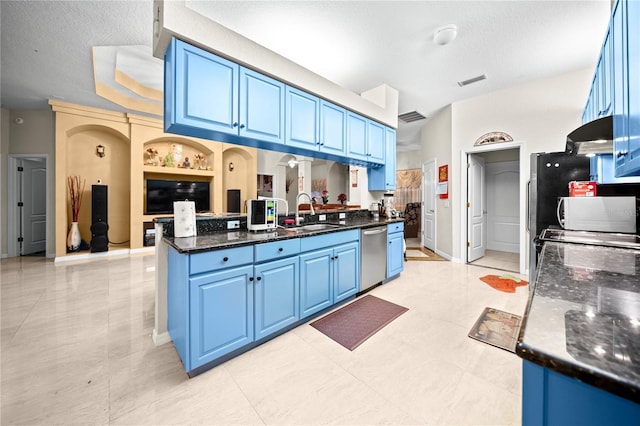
(604, 214)
(262, 214)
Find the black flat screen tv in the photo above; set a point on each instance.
(161, 194)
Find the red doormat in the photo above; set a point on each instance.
(506, 283)
(354, 323)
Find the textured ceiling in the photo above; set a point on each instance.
(46, 46)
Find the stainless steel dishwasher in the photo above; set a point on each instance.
(373, 256)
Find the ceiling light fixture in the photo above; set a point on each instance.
(445, 34)
(292, 163)
(472, 80)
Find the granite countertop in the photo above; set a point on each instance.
(242, 237)
(583, 316)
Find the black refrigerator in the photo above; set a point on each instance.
(551, 173)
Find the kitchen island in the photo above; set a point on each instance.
(228, 291)
(580, 337)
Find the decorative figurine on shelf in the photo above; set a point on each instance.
(342, 198)
(152, 153)
(325, 196)
(199, 162)
(168, 160)
(186, 164)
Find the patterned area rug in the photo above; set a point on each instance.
(497, 328)
(421, 253)
(354, 323)
(506, 283)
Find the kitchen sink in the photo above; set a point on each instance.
(317, 227)
(312, 227)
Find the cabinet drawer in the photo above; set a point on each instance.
(220, 259)
(328, 240)
(276, 249)
(395, 227)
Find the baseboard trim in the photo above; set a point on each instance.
(160, 339)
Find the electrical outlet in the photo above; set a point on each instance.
(322, 217)
(233, 224)
(342, 216)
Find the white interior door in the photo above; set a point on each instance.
(429, 205)
(476, 209)
(503, 201)
(34, 206)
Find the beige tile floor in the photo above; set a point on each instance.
(499, 260)
(76, 348)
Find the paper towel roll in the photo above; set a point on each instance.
(184, 219)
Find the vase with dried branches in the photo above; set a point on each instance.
(76, 189)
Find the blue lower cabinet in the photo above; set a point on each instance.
(551, 398)
(328, 276)
(276, 296)
(346, 271)
(395, 249)
(316, 283)
(221, 317)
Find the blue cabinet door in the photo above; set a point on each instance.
(356, 136)
(261, 107)
(276, 295)
(333, 121)
(384, 178)
(201, 91)
(632, 152)
(376, 145)
(316, 281)
(303, 119)
(221, 316)
(395, 254)
(346, 271)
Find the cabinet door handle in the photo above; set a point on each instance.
(250, 278)
(235, 124)
(280, 249)
(225, 259)
(242, 126)
(259, 278)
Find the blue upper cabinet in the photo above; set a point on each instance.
(365, 139)
(209, 97)
(314, 124)
(261, 107)
(631, 154)
(201, 93)
(333, 121)
(303, 119)
(384, 178)
(356, 136)
(376, 142)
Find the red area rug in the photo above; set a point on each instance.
(354, 323)
(506, 283)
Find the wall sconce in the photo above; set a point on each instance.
(100, 151)
(231, 167)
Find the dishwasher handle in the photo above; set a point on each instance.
(374, 231)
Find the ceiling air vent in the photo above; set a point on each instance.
(472, 80)
(409, 117)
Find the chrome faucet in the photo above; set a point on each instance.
(298, 218)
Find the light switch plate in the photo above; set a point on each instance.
(233, 224)
(322, 217)
(342, 215)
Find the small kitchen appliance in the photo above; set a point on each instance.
(262, 214)
(603, 214)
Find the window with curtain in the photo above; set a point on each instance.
(408, 188)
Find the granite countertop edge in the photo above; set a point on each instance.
(597, 378)
(202, 243)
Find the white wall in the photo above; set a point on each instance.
(540, 112)
(408, 160)
(4, 149)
